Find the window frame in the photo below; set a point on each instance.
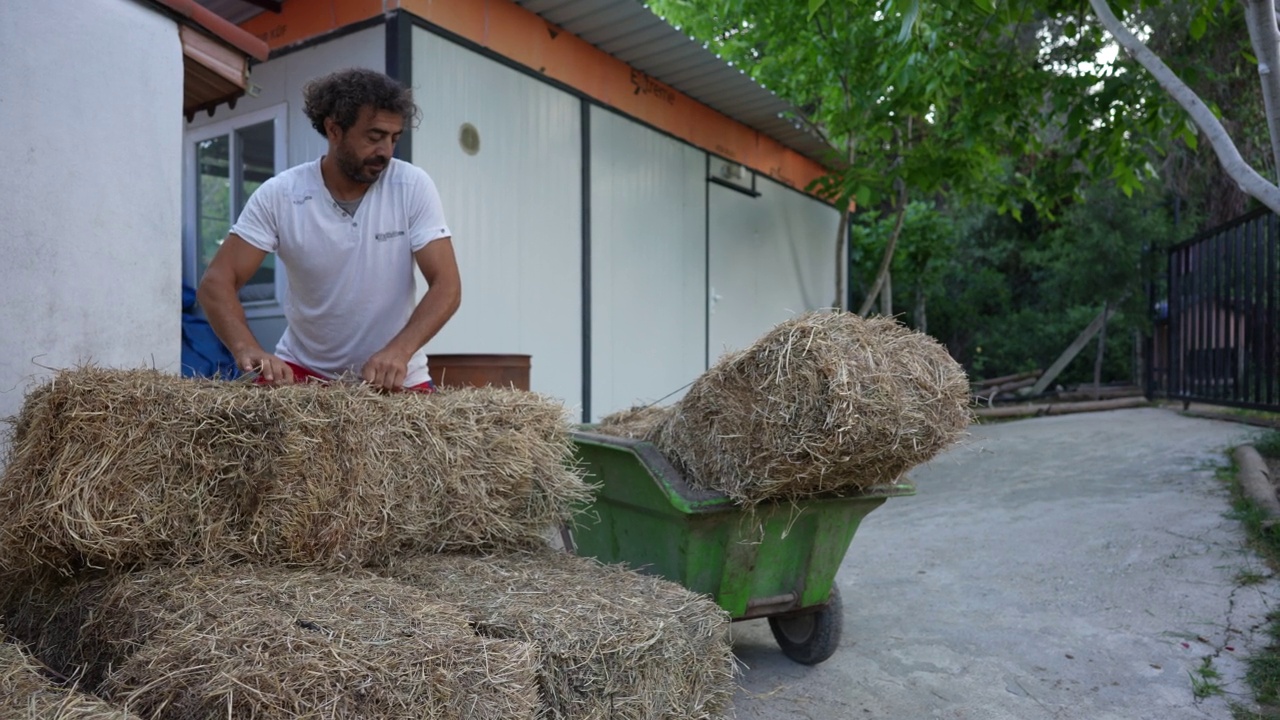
(277, 115)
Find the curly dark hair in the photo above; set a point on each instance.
(340, 96)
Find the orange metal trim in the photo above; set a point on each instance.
(511, 31)
(218, 26)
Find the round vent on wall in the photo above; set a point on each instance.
(469, 139)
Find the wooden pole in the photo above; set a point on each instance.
(991, 382)
(1074, 349)
(1009, 411)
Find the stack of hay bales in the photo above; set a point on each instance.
(26, 694)
(275, 643)
(826, 403)
(615, 644)
(193, 549)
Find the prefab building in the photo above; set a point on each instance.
(625, 206)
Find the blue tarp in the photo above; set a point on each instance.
(203, 354)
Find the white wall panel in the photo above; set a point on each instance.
(91, 111)
(648, 264)
(771, 257)
(515, 208)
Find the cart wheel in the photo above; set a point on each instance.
(809, 638)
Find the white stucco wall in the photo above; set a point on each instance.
(91, 112)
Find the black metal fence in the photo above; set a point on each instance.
(1220, 329)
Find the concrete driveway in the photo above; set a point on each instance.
(1079, 566)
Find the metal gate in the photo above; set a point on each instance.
(1223, 323)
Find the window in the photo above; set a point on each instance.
(225, 163)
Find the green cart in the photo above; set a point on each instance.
(778, 561)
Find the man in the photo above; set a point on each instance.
(348, 230)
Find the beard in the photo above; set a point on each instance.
(366, 170)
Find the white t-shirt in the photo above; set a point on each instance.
(350, 279)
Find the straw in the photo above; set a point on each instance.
(613, 643)
(827, 403)
(267, 643)
(119, 468)
(27, 693)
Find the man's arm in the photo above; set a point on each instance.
(388, 367)
(219, 295)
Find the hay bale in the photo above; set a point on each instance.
(111, 468)
(636, 422)
(117, 467)
(383, 475)
(824, 403)
(196, 643)
(613, 643)
(28, 694)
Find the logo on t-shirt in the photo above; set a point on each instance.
(383, 237)
(301, 200)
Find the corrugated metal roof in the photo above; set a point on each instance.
(631, 32)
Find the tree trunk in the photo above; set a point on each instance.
(886, 295)
(1234, 165)
(1060, 408)
(883, 273)
(1072, 350)
(1139, 361)
(842, 232)
(922, 322)
(1102, 350)
(1260, 16)
(842, 242)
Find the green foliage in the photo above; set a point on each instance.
(1007, 296)
(1220, 67)
(1269, 444)
(904, 90)
(980, 101)
(925, 244)
(1205, 679)
(1263, 673)
(1095, 250)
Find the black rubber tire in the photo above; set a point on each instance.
(812, 637)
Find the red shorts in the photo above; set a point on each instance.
(306, 375)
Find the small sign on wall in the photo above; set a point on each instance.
(733, 175)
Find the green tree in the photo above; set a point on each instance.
(1260, 19)
(1255, 176)
(1011, 294)
(955, 100)
(1216, 62)
(1096, 254)
(926, 244)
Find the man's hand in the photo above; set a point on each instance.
(230, 269)
(387, 369)
(272, 369)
